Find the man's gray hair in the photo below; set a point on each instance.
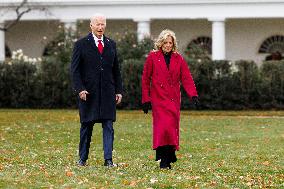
(96, 16)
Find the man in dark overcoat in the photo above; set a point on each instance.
(97, 81)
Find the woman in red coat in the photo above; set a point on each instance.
(164, 71)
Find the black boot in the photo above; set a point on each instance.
(167, 156)
(163, 163)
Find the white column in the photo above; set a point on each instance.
(143, 28)
(218, 39)
(70, 24)
(2, 42)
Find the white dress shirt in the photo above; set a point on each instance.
(97, 40)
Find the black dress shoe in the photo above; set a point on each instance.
(109, 163)
(81, 163)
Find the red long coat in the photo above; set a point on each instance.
(161, 87)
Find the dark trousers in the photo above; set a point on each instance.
(86, 136)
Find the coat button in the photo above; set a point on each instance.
(172, 99)
(102, 69)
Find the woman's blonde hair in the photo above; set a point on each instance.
(163, 36)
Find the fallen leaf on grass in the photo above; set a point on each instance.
(249, 184)
(69, 173)
(265, 163)
(153, 180)
(193, 177)
(213, 183)
(125, 182)
(123, 165)
(133, 183)
(179, 156)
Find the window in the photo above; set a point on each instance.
(274, 46)
(204, 42)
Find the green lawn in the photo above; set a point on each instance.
(219, 149)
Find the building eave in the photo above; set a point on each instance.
(147, 9)
(11, 3)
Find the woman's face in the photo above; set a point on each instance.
(168, 45)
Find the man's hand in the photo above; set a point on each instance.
(118, 98)
(83, 95)
(146, 107)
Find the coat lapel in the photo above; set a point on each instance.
(106, 45)
(92, 43)
(173, 64)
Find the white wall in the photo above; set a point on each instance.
(28, 36)
(243, 36)
(186, 30)
(114, 27)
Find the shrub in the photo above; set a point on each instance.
(131, 75)
(272, 74)
(36, 83)
(132, 55)
(18, 85)
(129, 48)
(54, 72)
(213, 81)
(55, 84)
(195, 53)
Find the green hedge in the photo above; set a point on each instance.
(55, 84)
(272, 88)
(220, 84)
(18, 85)
(131, 74)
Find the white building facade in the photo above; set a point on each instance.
(236, 29)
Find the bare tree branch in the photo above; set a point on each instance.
(21, 9)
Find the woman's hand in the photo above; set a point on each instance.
(195, 101)
(146, 107)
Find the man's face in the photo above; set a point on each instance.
(168, 45)
(98, 26)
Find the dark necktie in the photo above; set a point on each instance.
(100, 46)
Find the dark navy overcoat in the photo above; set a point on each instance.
(99, 74)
